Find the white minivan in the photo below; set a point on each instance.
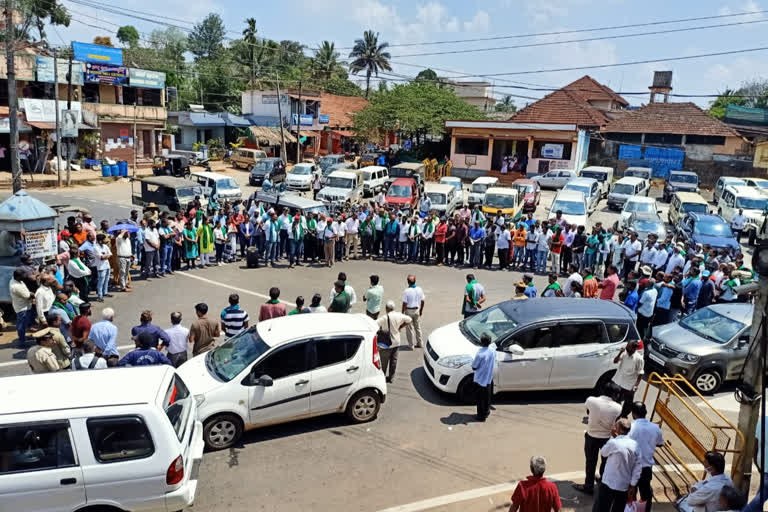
(287, 369)
(478, 188)
(115, 439)
(374, 179)
(443, 197)
(224, 187)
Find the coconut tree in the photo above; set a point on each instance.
(369, 56)
(326, 60)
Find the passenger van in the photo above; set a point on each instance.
(246, 158)
(626, 188)
(224, 187)
(723, 182)
(167, 193)
(456, 183)
(749, 199)
(685, 202)
(374, 179)
(444, 198)
(478, 188)
(590, 187)
(604, 176)
(132, 441)
(645, 173)
(508, 200)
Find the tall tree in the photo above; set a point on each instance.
(103, 40)
(369, 56)
(326, 60)
(427, 75)
(128, 35)
(507, 104)
(207, 37)
(727, 97)
(38, 14)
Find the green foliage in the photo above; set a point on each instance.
(37, 14)
(506, 105)
(207, 37)
(415, 109)
(753, 93)
(369, 56)
(103, 40)
(128, 35)
(326, 61)
(427, 75)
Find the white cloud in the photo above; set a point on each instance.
(747, 6)
(479, 23)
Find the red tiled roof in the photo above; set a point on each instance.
(590, 89)
(673, 118)
(561, 106)
(339, 108)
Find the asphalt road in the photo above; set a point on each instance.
(423, 445)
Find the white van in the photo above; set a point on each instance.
(116, 439)
(287, 369)
(604, 176)
(478, 188)
(224, 187)
(374, 179)
(590, 187)
(626, 188)
(444, 198)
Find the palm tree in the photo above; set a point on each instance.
(369, 55)
(249, 39)
(326, 59)
(507, 104)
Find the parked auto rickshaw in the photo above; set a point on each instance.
(171, 165)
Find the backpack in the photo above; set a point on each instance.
(91, 365)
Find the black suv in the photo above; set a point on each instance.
(273, 168)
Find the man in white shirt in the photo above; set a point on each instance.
(628, 374)
(347, 289)
(124, 256)
(351, 237)
(542, 246)
(675, 260)
(341, 240)
(648, 294)
(659, 263)
(738, 222)
(648, 437)
(503, 239)
(381, 199)
(413, 306)
(622, 470)
(402, 239)
(425, 205)
(392, 322)
(179, 338)
(602, 413)
(630, 250)
(575, 277)
(284, 224)
(151, 250)
(330, 234)
(649, 253)
(91, 359)
(705, 495)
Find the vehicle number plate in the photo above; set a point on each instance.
(656, 359)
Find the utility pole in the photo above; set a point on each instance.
(135, 140)
(56, 108)
(749, 411)
(298, 126)
(69, 107)
(280, 116)
(13, 121)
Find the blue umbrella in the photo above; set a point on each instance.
(123, 227)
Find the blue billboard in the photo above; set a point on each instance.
(323, 119)
(86, 52)
(303, 120)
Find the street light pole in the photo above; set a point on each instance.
(13, 120)
(56, 108)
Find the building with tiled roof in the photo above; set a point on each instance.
(339, 109)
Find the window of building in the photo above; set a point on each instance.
(129, 96)
(91, 93)
(663, 138)
(472, 146)
(151, 97)
(705, 139)
(119, 438)
(35, 447)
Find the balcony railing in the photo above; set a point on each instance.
(127, 112)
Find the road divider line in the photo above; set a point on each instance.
(24, 361)
(229, 286)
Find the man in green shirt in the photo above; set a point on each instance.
(341, 302)
(372, 298)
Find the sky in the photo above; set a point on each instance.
(414, 23)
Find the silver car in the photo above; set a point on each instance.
(707, 347)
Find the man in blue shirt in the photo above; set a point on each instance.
(476, 235)
(664, 301)
(144, 354)
(104, 335)
(157, 335)
(632, 296)
(484, 364)
(530, 288)
(391, 230)
(691, 292)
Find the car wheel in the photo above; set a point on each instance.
(708, 381)
(364, 406)
(467, 390)
(222, 431)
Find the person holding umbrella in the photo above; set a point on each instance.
(124, 248)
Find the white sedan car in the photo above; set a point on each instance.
(300, 177)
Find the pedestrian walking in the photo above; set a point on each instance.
(389, 344)
(628, 374)
(648, 437)
(484, 365)
(622, 470)
(233, 318)
(602, 413)
(178, 339)
(738, 222)
(536, 493)
(645, 306)
(413, 306)
(372, 297)
(203, 331)
(474, 297)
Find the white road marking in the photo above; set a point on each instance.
(472, 494)
(16, 363)
(229, 287)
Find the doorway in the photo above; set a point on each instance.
(146, 136)
(509, 148)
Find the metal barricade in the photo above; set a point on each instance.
(691, 427)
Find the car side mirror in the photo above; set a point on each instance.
(743, 342)
(264, 380)
(515, 350)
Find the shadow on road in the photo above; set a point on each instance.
(459, 418)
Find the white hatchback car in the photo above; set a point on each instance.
(287, 369)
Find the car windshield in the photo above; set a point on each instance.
(569, 207)
(648, 226)
(711, 325)
(302, 170)
(694, 207)
(400, 172)
(752, 203)
(436, 197)
(399, 191)
(369, 157)
(683, 178)
(189, 192)
(227, 184)
(454, 183)
(264, 166)
(327, 160)
(584, 189)
(761, 184)
(338, 182)
(640, 207)
(712, 228)
(480, 188)
(493, 320)
(599, 176)
(637, 174)
(320, 211)
(624, 188)
(525, 189)
(499, 200)
(229, 359)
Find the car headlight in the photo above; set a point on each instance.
(454, 361)
(691, 358)
(199, 399)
